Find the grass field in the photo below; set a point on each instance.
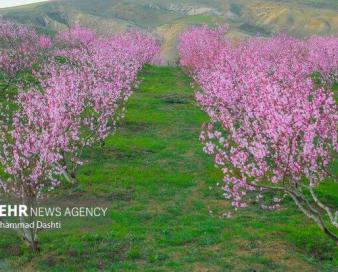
(166, 209)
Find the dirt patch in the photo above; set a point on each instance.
(176, 99)
(135, 126)
(122, 194)
(125, 154)
(274, 252)
(201, 267)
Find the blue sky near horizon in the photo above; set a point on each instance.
(13, 3)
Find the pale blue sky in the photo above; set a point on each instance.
(12, 3)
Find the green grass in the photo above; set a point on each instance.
(166, 210)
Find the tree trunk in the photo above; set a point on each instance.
(29, 235)
(312, 213)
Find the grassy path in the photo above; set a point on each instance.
(166, 207)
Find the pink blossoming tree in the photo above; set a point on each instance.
(30, 146)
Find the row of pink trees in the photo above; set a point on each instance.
(83, 81)
(273, 117)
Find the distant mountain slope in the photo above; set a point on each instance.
(168, 18)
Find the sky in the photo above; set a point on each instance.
(12, 3)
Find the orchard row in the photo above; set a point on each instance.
(69, 93)
(273, 116)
